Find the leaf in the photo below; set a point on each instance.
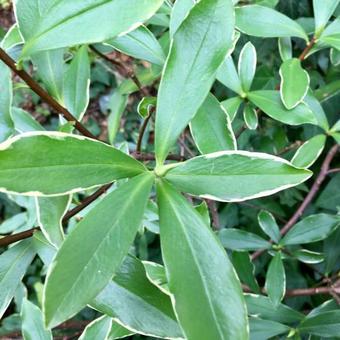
(324, 324)
(228, 76)
(24, 122)
(311, 229)
(265, 329)
(189, 270)
(32, 323)
(309, 152)
(231, 106)
(323, 10)
(77, 83)
(330, 196)
(262, 307)
(145, 106)
(198, 49)
(285, 48)
(13, 265)
(334, 56)
(307, 256)
(47, 25)
(234, 176)
(157, 276)
(276, 280)
(268, 224)
(331, 35)
(179, 12)
(50, 69)
(97, 329)
(141, 44)
(270, 103)
(250, 117)
(245, 269)
(86, 272)
(137, 304)
(211, 128)
(259, 21)
(241, 240)
(247, 65)
(50, 211)
(294, 83)
(6, 123)
(118, 332)
(55, 163)
(317, 110)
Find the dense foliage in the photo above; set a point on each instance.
(169, 169)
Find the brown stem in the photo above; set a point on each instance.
(289, 148)
(35, 87)
(7, 240)
(332, 171)
(313, 191)
(312, 291)
(307, 49)
(214, 214)
(142, 132)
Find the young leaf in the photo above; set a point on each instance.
(241, 240)
(234, 176)
(331, 35)
(285, 48)
(309, 152)
(260, 21)
(87, 271)
(157, 276)
(77, 84)
(13, 265)
(47, 26)
(97, 329)
(24, 121)
(211, 128)
(6, 123)
(140, 44)
(311, 229)
(231, 106)
(276, 280)
(326, 324)
(323, 10)
(247, 65)
(178, 14)
(50, 211)
(268, 225)
(55, 163)
(307, 256)
(32, 323)
(188, 272)
(270, 103)
(294, 83)
(250, 117)
(190, 72)
(137, 304)
(266, 329)
(228, 76)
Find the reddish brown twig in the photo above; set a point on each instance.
(214, 214)
(7, 240)
(309, 46)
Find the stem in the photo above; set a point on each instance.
(7, 240)
(35, 87)
(310, 45)
(142, 132)
(214, 214)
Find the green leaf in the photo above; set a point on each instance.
(50, 211)
(270, 103)
(211, 128)
(234, 176)
(266, 329)
(12, 38)
(140, 44)
(323, 10)
(317, 110)
(157, 276)
(6, 123)
(145, 106)
(50, 67)
(179, 12)
(231, 106)
(77, 83)
(260, 21)
(228, 76)
(55, 163)
(118, 332)
(311, 229)
(262, 307)
(188, 272)
(331, 35)
(47, 26)
(309, 152)
(137, 304)
(330, 196)
(190, 72)
(294, 83)
(13, 265)
(32, 323)
(276, 280)
(307, 256)
(86, 272)
(97, 329)
(334, 56)
(245, 269)
(285, 48)
(326, 324)
(250, 117)
(237, 239)
(247, 65)
(268, 225)
(24, 122)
